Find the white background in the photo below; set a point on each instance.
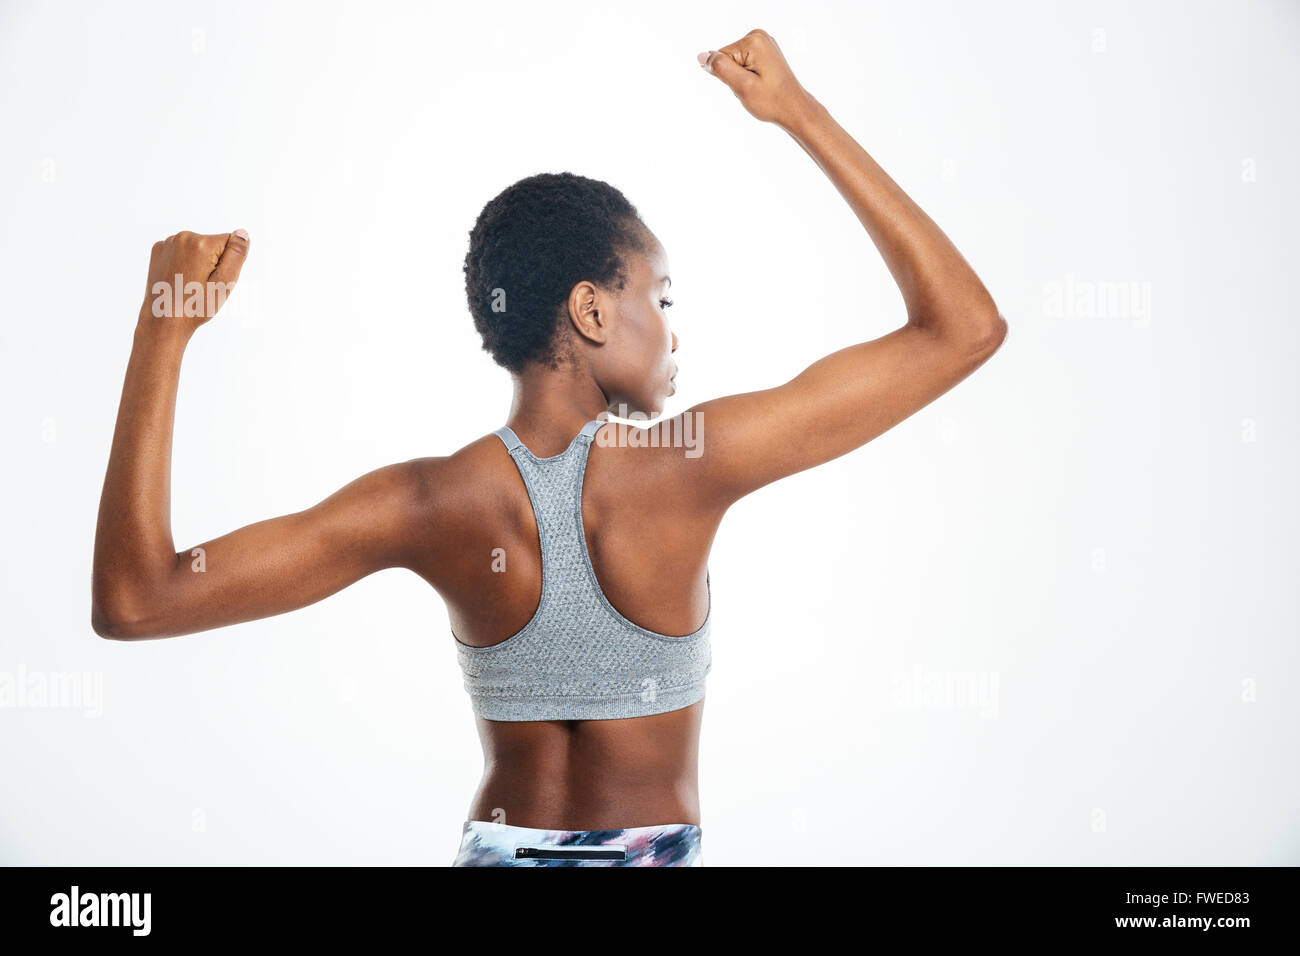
(1100, 524)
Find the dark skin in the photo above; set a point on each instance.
(650, 514)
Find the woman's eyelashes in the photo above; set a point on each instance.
(665, 303)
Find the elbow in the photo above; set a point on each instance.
(975, 333)
(127, 605)
(994, 334)
(984, 336)
(109, 617)
(118, 620)
(103, 626)
(110, 626)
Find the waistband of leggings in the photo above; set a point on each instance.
(503, 831)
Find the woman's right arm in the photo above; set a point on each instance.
(851, 396)
(142, 587)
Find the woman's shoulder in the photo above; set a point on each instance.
(475, 476)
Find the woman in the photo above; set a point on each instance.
(572, 555)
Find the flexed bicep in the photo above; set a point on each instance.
(273, 566)
(837, 404)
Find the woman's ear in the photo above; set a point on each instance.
(585, 315)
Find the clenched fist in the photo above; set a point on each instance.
(756, 71)
(190, 277)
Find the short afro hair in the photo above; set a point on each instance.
(530, 246)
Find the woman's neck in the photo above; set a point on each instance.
(550, 406)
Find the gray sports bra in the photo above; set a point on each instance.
(578, 658)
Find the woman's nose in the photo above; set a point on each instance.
(674, 335)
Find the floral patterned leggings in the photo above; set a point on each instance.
(496, 844)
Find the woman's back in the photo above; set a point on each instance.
(649, 560)
(649, 552)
